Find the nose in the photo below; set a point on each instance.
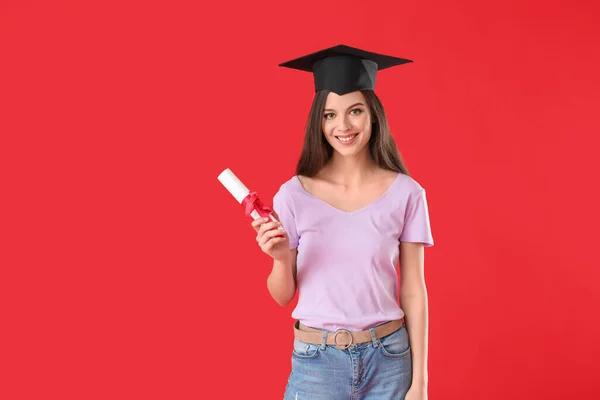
(344, 123)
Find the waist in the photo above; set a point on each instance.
(343, 338)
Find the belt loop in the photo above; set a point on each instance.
(324, 341)
(373, 337)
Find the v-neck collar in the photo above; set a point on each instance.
(368, 206)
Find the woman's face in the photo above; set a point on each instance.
(346, 122)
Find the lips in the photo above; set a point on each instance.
(346, 139)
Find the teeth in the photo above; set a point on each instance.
(346, 139)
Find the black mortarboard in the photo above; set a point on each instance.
(343, 69)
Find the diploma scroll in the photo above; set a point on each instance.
(253, 207)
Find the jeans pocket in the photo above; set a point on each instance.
(395, 345)
(305, 350)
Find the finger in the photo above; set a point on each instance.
(259, 234)
(264, 239)
(271, 243)
(258, 222)
(263, 235)
(274, 233)
(268, 226)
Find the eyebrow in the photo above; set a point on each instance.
(353, 105)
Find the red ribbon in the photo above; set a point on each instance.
(252, 202)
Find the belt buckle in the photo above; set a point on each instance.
(341, 347)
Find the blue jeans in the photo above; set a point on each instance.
(377, 370)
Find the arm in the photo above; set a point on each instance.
(282, 279)
(413, 299)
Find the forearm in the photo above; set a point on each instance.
(280, 282)
(416, 316)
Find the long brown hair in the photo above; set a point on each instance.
(316, 151)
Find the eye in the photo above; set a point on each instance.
(325, 116)
(357, 109)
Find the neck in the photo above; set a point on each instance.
(350, 170)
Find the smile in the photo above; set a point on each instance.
(346, 139)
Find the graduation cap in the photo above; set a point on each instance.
(343, 69)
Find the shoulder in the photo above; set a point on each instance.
(409, 183)
(408, 188)
(288, 187)
(288, 190)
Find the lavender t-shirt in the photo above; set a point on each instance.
(346, 263)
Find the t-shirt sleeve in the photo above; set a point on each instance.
(284, 209)
(416, 221)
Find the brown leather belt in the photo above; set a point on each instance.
(343, 338)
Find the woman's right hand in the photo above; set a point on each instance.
(272, 240)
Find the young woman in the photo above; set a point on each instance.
(347, 218)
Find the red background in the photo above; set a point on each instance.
(127, 270)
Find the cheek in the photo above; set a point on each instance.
(364, 122)
(367, 127)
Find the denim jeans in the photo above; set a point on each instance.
(377, 370)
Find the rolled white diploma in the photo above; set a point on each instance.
(238, 190)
